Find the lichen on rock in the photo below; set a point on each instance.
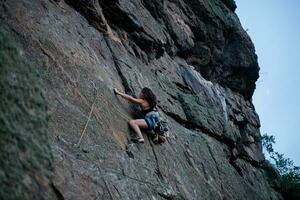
(26, 158)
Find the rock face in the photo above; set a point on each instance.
(26, 159)
(194, 55)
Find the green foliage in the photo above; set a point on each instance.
(290, 184)
(268, 141)
(289, 179)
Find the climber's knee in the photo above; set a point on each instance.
(131, 122)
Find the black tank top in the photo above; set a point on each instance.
(145, 112)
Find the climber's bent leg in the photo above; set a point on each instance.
(136, 125)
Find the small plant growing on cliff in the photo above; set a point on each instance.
(289, 175)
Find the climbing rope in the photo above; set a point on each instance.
(90, 114)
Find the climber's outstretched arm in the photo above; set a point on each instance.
(128, 97)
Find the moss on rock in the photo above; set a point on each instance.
(25, 151)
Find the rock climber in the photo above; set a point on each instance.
(148, 102)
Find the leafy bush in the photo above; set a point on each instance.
(289, 175)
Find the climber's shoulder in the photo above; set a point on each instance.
(138, 101)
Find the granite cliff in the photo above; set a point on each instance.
(60, 61)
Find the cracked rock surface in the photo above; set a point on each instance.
(195, 56)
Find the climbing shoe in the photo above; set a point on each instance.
(137, 140)
(155, 139)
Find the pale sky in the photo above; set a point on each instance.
(274, 27)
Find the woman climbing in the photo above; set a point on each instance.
(147, 101)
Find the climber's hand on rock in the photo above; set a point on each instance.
(116, 91)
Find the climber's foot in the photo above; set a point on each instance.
(138, 140)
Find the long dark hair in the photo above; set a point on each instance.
(150, 97)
